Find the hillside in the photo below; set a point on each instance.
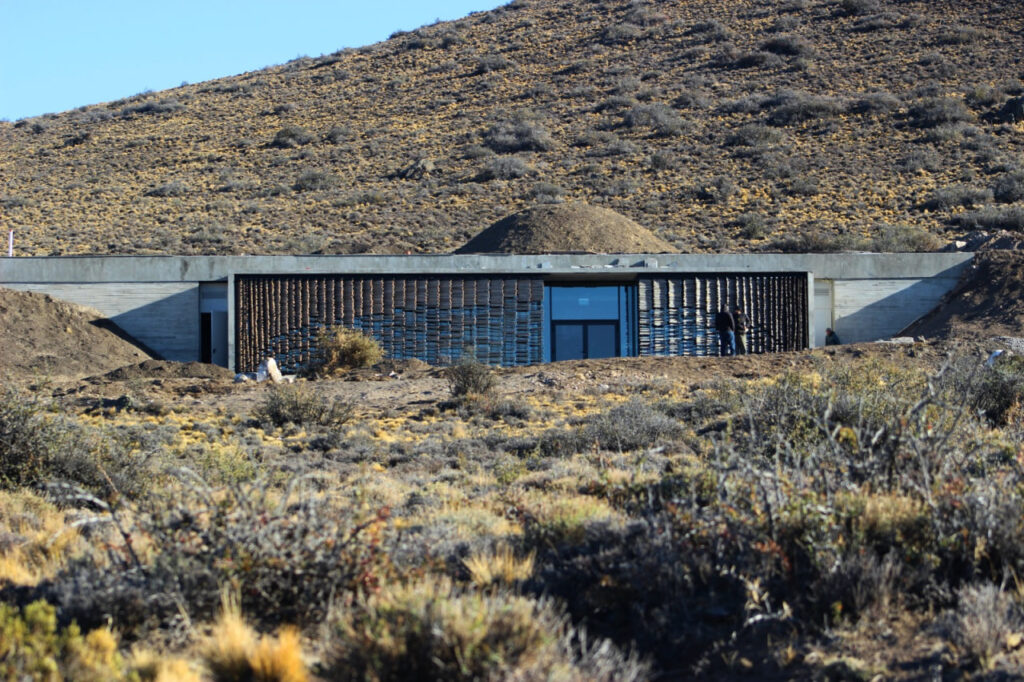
(801, 124)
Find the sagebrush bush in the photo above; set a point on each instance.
(297, 404)
(945, 198)
(433, 630)
(993, 218)
(340, 348)
(518, 136)
(288, 553)
(934, 111)
(291, 136)
(469, 376)
(315, 180)
(904, 239)
(504, 168)
(661, 119)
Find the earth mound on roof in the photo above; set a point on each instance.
(566, 228)
(41, 336)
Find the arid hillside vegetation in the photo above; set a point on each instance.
(797, 124)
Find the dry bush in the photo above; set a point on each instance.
(297, 404)
(339, 349)
(233, 652)
(469, 376)
(288, 553)
(983, 618)
(499, 565)
(433, 630)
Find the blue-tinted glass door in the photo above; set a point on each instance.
(585, 339)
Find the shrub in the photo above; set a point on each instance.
(1010, 187)
(295, 404)
(904, 239)
(314, 180)
(717, 191)
(934, 111)
(291, 136)
(175, 188)
(710, 31)
(521, 136)
(876, 103)
(339, 349)
(858, 7)
(164, 106)
(1012, 111)
(618, 34)
(922, 159)
(504, 168)
(660, 118)
(983, 618)
(469, 376)
(789, 46)
(992, 218)
(492, 62)
(754, 135)
(38, 447)
(634, 424)
(288, 555)
(811, 240)
(752, 225)
(433, 630)
(956, 195)
(33, 648)
(234, 652)
(797, 107)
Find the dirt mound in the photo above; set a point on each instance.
(41, 335)
(561, 228)
(166, 369)
(987, 302)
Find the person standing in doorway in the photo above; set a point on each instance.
(726, 326)
(739, 318)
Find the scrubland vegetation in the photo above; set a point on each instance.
(719, 126)
(842, 520)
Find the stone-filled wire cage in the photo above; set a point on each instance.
(433, 318)
(677, 312)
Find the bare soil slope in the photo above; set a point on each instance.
(988, 301)
(561, 228)
(43, 336)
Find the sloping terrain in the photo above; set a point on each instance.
(41, 336)
(803, 124)
(988, 301)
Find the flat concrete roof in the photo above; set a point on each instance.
(217, 268)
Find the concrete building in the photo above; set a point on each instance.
(507, 309)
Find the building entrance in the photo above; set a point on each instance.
(590, 321)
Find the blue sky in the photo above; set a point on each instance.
(57, 55)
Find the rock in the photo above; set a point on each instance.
(242, 378)
(273, 372)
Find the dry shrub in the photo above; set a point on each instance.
(234, 653)
(500, 565)
(339, 349)
(984, 616)
(296, 404)
(434, 630)
(469, 376)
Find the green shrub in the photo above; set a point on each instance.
(339, 349)
(32, 647)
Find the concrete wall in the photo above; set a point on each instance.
(164, 316)
(156, 298)
(871, 309)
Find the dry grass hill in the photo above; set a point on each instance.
(796, 124)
